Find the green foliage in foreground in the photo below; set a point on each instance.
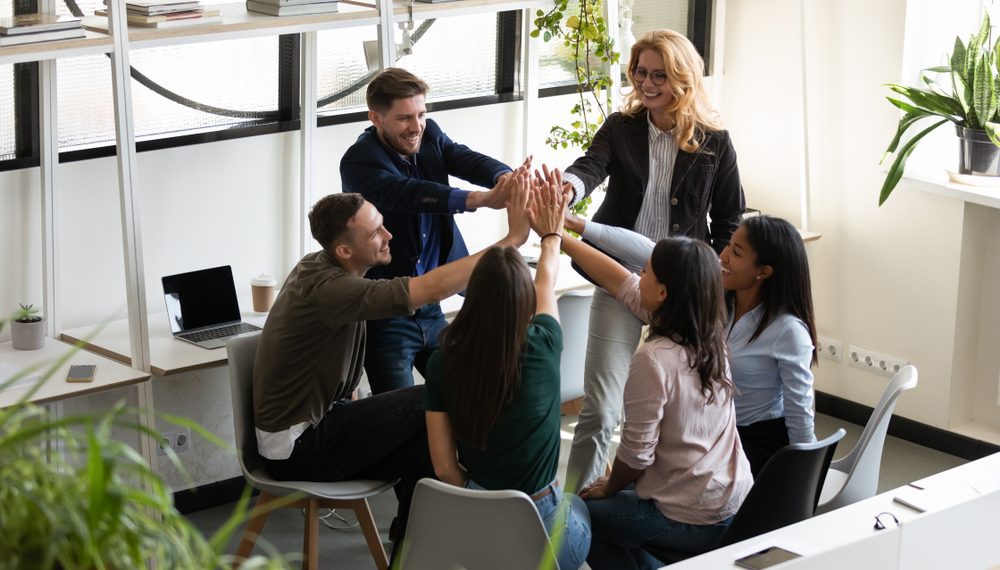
(96, 504)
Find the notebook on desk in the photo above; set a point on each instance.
(202, 307)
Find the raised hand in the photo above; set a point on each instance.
(519, 207)
(550, 203)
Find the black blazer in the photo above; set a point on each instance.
(705, 183)
(373, 170)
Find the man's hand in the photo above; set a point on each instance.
(499, 195)
(518, 209)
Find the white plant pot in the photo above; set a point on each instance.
(27, 336)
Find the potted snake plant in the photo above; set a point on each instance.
(970, 99)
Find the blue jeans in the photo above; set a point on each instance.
(623, 523)
(571, 520)
(397, 344)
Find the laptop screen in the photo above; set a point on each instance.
(201, 298)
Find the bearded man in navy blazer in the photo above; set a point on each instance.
(401, 164)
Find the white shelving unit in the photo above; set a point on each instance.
(237, 24)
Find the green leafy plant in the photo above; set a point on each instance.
(96, 504)
(26, 314)
(584, 31)
(972, 101)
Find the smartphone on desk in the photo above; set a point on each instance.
(766, 558)
(81, 373)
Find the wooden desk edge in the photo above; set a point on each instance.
(92, 389)
(127, 360)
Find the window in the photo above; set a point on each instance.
(7, 140)
(213, 90)
(690, 16)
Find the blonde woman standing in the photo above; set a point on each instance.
(670, 167)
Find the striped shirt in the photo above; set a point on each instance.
(653, 220)
(772, 374)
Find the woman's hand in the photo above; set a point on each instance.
(519, 206)
(573, 222)
(549, 204)
(596, 490)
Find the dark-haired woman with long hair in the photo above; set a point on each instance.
(680, 473)
(492, 395)
(772, 335)
(771, 328)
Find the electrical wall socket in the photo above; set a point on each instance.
(830, 349)
(179, 440)
(873, 361)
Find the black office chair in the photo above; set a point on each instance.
(785, 492)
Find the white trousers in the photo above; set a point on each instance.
(612, 340)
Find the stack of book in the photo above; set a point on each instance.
(32, 28)
(160, 14)
(291, 7)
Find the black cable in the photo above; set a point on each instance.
(162, 91)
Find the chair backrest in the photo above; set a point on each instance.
(574, 315)
(863, 463)
(451, 527)
(241, 352)
(786, 490)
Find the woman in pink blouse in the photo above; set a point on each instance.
(680, 473)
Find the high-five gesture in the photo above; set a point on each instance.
(518, 205)
(498, 196)
(550, 203)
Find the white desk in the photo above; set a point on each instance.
(167, 355)
(960, 534)
(109, 374)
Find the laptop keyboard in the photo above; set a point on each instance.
(221, 332)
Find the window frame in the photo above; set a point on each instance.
(508, 89)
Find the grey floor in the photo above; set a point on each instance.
(345, 547)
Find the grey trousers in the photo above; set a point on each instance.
(613, 337)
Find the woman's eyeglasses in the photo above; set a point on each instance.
(657, 77)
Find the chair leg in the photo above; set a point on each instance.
(311, 539)
(254, 526)
(364, 515)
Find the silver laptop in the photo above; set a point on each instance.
(202, 307)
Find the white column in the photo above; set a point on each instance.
(307, 106)
(529, 83)
(386, 34)
(135, 284)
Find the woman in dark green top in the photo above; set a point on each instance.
(492, 395)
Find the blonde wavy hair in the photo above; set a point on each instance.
(690, 108)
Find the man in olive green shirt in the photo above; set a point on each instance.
(311, 353)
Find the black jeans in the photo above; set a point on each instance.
(381, 437)
(761, 440)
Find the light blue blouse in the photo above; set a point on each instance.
(772, 374)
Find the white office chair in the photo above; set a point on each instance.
(451, 527)
(854, 477)
(574, 315)
(344, 494)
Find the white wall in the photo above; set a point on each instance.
(888, 278)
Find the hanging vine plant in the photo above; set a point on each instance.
(582, 28)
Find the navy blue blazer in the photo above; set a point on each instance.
(376, 172)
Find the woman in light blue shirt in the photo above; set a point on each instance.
(772, 336)
(772, 330)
